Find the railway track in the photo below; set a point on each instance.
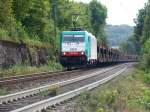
(20, 83)
(67, 89)
(7, 80)
(16, 84)
(31, 77)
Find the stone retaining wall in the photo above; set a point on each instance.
(14, 53)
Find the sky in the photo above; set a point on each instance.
(121, 11)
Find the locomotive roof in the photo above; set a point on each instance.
(74, 31)
(91, 35)
(88, 33)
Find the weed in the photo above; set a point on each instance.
(127, 94)
(3, 91)
(20, 69)
(147, 78)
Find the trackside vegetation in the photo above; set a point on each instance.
(32, 21)
(22, 69)
(139, 43)
(38, 23)
(129, 93)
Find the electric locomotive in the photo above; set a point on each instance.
(78, 48)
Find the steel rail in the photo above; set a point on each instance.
(15, 96)
(60, 98)
(23, 78)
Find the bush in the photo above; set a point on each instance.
(145, 62)
(21, 69)
(3, 34)
(3, 91)
(147, 78)
(13, 32)
(129, 93)
(144, 99)
(100, 110)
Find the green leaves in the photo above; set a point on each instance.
(146, 28)
(97, 18)
(34, 19)
(21, 8)
(37, 21)
(147, 78)
(142, 28)
(6, 15)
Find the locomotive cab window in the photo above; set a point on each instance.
(73, 38)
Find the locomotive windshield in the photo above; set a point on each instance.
(73, 38)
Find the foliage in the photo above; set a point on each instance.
(3, 91)
(5, 12)
(147, 78)
(129, 46)
(145, 39)
(3, 34)
(141, 29)
(129, 93)
(37, 22)
(97, 18)
(142, 35)
(26, 69)
(147, 47)
(145, 60)
(139, 21)
(121, 33)
(21, 8)
(64, 11)
(25, 20)
(146, 28)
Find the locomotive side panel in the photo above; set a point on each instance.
(93, 48)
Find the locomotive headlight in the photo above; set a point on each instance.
(82, 53)
(64, 53)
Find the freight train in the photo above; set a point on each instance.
(80, 48)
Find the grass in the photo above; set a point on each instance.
(4, 36)
(37, 43)
(25, 69)
(19, 69)
(130, 93)
(3, 91)
(52, 91)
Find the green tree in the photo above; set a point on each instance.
(8, 22)
(129, 46)
(146, 28)
(142, 34)
(138, 29)
(63, 13)
(35, 19)
(21, 8)
(5, 12)
(82, 13)
(98, 17)
(139, 21)
(37, 22)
